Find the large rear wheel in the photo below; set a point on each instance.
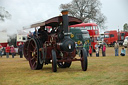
(84, 61)
(33, 52)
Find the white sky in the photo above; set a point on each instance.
(26, 12)
(116, 12)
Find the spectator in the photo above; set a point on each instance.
(1, 50)
(90, 51)
(122, 52)
(103, 51)
(79, 47)
(76, 44)
(30, 35)
(20, 49)
(7, 51)
(86, 46)
(116, 47)
(35, 33)
(13, 51)
(76, 47)
(127, 44)
(97, 46)
(97, 51)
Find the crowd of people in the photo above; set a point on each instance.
(11, 50)
(89, 49)
(123, 51)
(98, 47)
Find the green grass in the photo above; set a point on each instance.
(108, 70)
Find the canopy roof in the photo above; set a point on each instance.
(56, 21)
(84, 24)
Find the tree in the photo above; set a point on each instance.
(12, 40)
(4, 14)
(86, 10)
(125, 27)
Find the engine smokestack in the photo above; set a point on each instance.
(65, 20)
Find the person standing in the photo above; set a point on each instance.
(97, 46)
(30, 35)
(20, 49)
(7, 51)
(1, 50)
(76, 47)
(35, 34)
(97, 52)
(90, 51)
(103, 51)
(127, 44)
(80, 47)
(13, 51)
(116, 47)
(86, 46)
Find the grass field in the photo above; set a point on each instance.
(109, 70)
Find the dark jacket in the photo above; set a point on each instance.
(20, 48)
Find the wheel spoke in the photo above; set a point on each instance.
(31, 51)
(35, 49)
(32, 58)
(26, 54)
(33, 45)
(35, 55)
(34, 64)
(26, 49)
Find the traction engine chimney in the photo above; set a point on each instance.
(65, 20)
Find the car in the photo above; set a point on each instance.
(125, 41)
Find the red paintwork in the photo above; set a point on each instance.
(94, 33)
(84, 25)
(19, 42)
(111, 40)
(122, 32)
(4, 44)
(117, 36)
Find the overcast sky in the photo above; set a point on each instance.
(26, 12)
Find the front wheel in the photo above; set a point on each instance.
(84, 61)
(54, 62)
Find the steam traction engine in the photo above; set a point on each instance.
(59, 49)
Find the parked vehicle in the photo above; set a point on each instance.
(3, 40)
(78, 34)
(125, 42)
(110, 37)
(100, 39)
(93, 30)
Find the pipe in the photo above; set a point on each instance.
(65, 20)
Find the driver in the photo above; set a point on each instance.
(43, 34)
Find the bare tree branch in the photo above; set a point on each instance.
(86, 10)
(4, 14)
